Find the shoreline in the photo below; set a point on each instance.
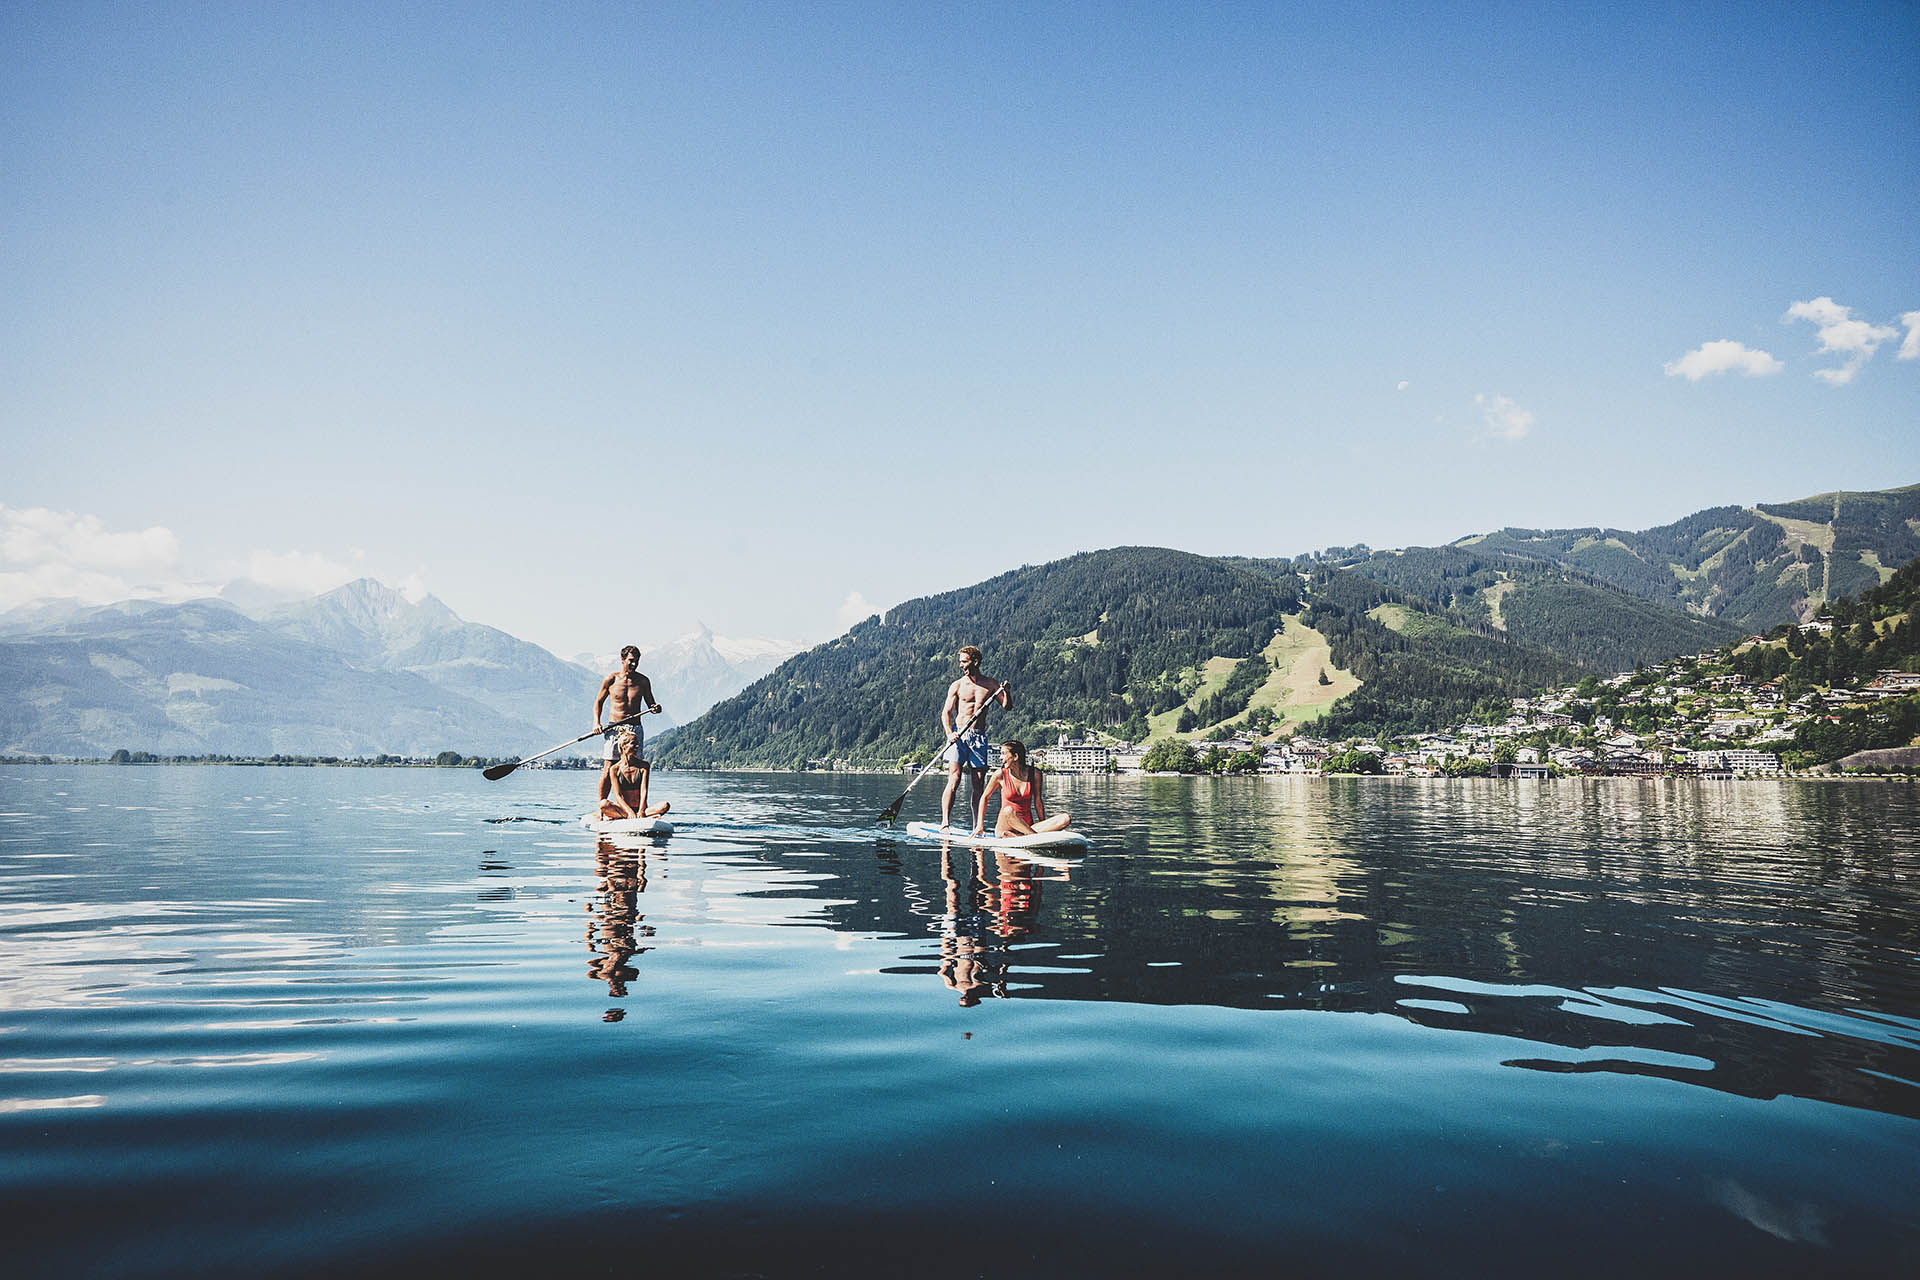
(328, 763)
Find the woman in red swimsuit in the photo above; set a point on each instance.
(1023, 810)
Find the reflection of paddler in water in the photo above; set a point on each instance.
(623, 784)
(986, 913)
(970, 962)
(613, 916)
(1023, 805)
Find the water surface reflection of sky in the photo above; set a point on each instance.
(359, 988)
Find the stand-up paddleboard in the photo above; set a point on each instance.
(627, 826)
(964, 835)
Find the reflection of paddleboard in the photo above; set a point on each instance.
(627, 826)
(964, 835)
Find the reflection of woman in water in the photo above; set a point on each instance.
(1015, 900)
(614, 928)
(1023, 809)
(623, 788)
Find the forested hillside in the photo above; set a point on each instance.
(1864, 636)
(1103, 641)
(1432, 635)
(1415, 677)
(1557, 611)
(1750, 568)
(1094, 640)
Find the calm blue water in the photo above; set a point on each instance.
(266, 1021)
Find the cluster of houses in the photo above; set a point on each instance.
(1743, 723)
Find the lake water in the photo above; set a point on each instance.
(273, 1021)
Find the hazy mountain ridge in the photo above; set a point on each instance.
(698, 669)
(359, 670)
(378, 628)
(203, 678)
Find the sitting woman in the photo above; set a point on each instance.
(1023, 809)
(623, 788)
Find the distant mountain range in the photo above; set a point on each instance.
(699, 669)
(359, 671)
(1134, 641)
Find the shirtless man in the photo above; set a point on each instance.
(968, 748)
(629, 691)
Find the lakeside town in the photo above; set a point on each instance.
(1691, 716)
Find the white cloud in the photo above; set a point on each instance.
(1502, 418)
(1841, 335)
(1910, 349)
(854, 609)
(37, 536)
(1723, 356)
(306, 572)
(62, 555)
(1402, 386)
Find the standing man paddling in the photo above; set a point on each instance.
(629, 692)
(968, 747)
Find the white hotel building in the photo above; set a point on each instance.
(1076, 757)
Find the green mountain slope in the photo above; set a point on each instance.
(1752, 568)
(1419, 667)
(1106, 640)
(1564, 612)
(1115, 640)
(1101, 638)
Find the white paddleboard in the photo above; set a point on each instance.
(964, 835)
(627, 826)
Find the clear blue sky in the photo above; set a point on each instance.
(597, 320)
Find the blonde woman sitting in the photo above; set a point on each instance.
(1023, 807)
(623, 787)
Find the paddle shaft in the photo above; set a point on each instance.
(893, 810)
(498, 772)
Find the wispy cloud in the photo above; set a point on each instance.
(63, 555)
(1723, 356)
(306, 573)
(1910, 349)
(1502, 418)
(1841, 334)
(854, 609)
(37, 535)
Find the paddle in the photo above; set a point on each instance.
(496, 772)
(893, 810)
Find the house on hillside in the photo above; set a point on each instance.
(1893, 684)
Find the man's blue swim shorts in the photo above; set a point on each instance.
(970, 750)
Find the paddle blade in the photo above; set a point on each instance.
(892, 812)
(494, 773)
